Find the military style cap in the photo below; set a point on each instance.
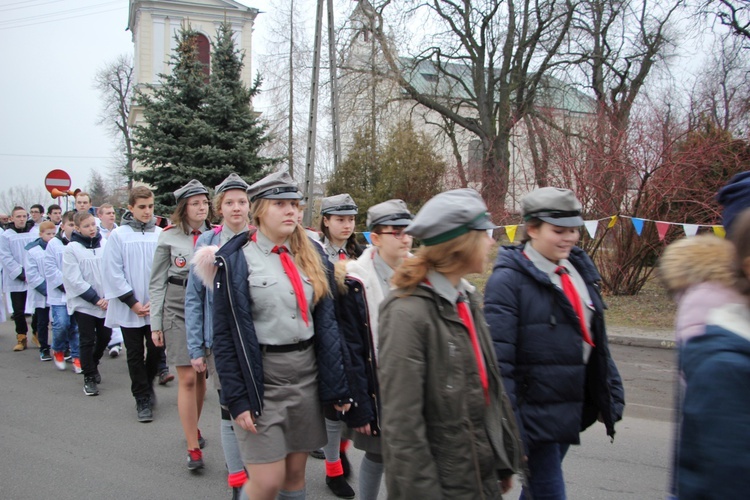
(388, 213)
(276, 186)
(555, 206)
(192, 188)
(450, 215)
(340, 204)
(234, 181)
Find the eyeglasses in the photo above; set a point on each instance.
(199, 204)
(396, 234)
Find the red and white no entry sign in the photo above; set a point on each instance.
(57, 179)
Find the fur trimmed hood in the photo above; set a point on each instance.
(700, 259)
(203, 263)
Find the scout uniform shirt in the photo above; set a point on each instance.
(274, 305)
(171, 264)
(332, 252)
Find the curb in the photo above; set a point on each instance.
(652, 342)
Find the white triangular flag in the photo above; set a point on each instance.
(690, 229)
(591, 226)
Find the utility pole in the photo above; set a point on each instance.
(334, 89)
(290, 147)
(312, 121)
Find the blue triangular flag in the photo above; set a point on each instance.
(638, 225)
(367, 237)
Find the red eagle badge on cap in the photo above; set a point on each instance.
(180, 261)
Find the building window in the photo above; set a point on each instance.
(430, 77)
(204, 54)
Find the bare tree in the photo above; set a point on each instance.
(735, 14)
(484, 61)
(114, 82)
(23, 196)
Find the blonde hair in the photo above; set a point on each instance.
(304, 254)
(445, 258)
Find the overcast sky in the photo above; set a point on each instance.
(51, 50)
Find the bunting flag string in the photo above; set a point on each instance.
(592, 226)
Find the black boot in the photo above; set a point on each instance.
(339, 487)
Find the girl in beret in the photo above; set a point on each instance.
(447, 428)
(169, 273)
(546, 317)
(276, 342)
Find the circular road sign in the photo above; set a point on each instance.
(57, 179)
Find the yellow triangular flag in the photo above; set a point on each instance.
(720, 231)
(511, 232)
(612, 222)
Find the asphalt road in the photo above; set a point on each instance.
(55, 442)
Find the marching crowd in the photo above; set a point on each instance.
(313, 341)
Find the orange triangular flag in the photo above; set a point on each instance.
(662, 228)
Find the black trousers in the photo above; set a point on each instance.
(143, 359)
(93, 339)
(42, 317)
(18, 303)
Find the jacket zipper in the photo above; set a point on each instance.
(237, 324)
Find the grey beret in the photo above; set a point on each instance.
(450, 215)
(389, 213)
(555, 206)
(192, 188)
(276, 186)
(340, 204)
(234, 181)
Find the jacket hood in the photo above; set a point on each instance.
(129, 220)
(24, 229)
(87, 242)
(36, 243)
(203, 264)
(695, 260)
(512, 257)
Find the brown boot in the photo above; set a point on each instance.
(21, 345)
(35, 339)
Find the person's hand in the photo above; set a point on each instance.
(365, 429)
(158, 337)
(506, 485)
(140, 310)
(343, 408)
(199, 364)
(102, 304)
(246, 421)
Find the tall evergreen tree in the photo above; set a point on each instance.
(196, 129)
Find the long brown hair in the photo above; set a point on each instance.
(305, 256)
(444, 258)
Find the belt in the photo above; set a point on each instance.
(299, 346)
(177, 281)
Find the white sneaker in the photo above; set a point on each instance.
(114, 351)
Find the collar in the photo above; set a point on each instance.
(542, 263)
(266, 245)
(381, 267)
(445, 288)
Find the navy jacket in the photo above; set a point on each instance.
(237, 353)
(537, 338)
(715, 432)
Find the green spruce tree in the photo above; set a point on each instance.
(198, 128)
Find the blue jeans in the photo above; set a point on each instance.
(545, 469)
(64, 331)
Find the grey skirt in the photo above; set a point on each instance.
(175, 338)
(292, 419)
(368, 444)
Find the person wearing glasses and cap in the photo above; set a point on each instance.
(233, 205)
(363, 289)
(546, 316)
(169, 273)
(448, 428)
(276, 342)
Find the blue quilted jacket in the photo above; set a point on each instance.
(537, 340)
(238, 357)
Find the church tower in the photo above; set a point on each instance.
(154, 24)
